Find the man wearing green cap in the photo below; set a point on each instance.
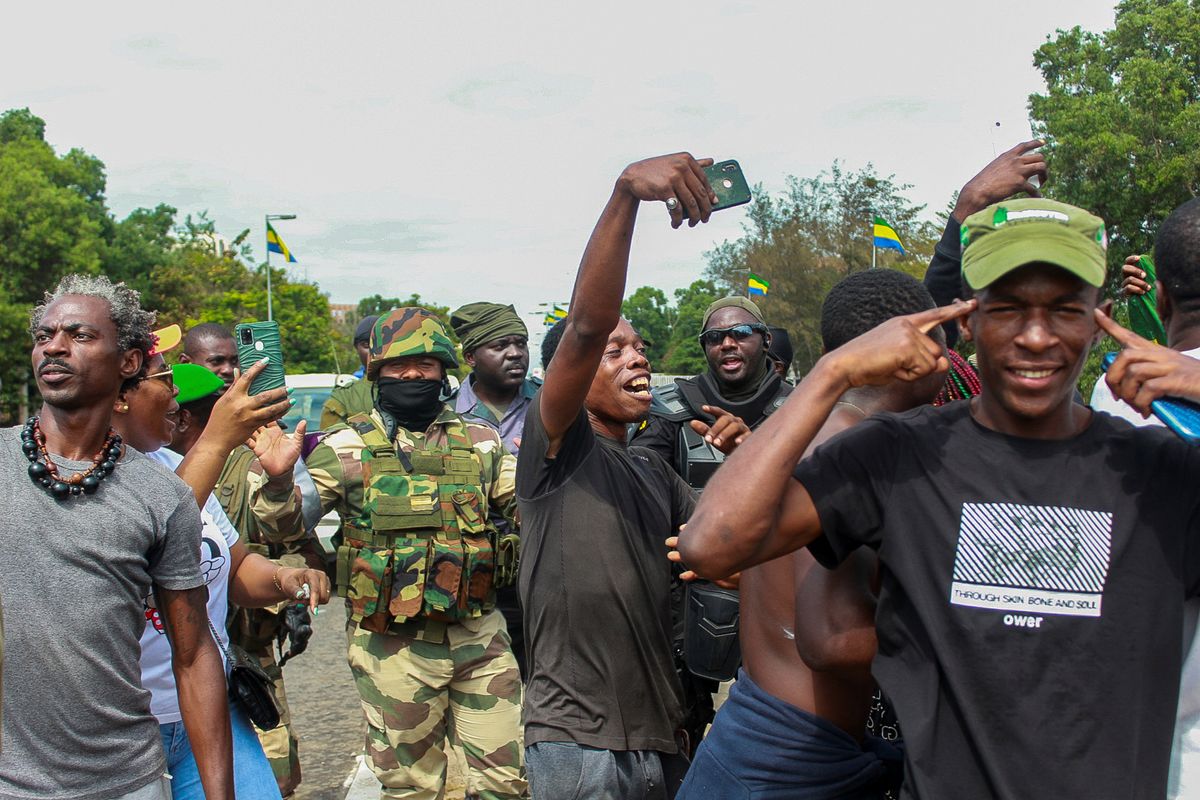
(268, 516)
(741, 378)
(1033, 553)
(414, 483)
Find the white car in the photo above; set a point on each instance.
(310, 391)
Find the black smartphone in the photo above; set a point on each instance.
(1181, 416)
(256, 340)
(728, 184)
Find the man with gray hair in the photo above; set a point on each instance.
(89, 528)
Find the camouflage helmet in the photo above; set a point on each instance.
(409, 331)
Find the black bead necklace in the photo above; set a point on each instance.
(44, 473)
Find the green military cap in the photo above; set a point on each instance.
(479, 323)
(1013, 233)
(194, 382)
(409, 331)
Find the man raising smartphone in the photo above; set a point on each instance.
(603, 704)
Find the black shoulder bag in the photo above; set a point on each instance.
(249, 685)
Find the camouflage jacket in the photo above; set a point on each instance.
(337, 469)
(346, 401)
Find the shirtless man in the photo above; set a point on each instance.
(808, 634)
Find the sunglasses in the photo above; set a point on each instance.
(167, 377)
(714, 336)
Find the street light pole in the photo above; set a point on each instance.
(267, 233)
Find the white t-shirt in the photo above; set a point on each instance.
(1184, 778)
(216, 540)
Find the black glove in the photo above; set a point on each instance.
(297, 626)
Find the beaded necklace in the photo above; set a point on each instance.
(44, 472)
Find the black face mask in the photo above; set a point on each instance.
(414, 404)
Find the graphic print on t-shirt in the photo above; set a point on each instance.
(1041, 559)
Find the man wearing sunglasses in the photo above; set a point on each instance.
(742, 379)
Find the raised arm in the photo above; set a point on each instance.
(1004, 176)
(600, 283)
(234, 417)
(752, 510)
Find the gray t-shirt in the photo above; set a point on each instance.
(73, 574)
(595, 587)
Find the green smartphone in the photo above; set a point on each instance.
(728, 184)
(254, 341)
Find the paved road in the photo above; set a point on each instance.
(327, 714)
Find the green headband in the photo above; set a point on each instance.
(476, 324)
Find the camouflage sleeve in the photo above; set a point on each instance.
(500, 468)
(279, 511)
(334, 410)
(336, 469)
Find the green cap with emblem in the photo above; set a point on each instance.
(409, 331)
(194, 382)
(1013, 233)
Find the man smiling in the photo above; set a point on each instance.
(603, 704)
(1033, 553)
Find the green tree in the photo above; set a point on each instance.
(648, 311)
(810, 236)
(1121, 119)
(684, 355)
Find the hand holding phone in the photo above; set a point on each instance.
(728, 184)
(1181, 416)
(256, 340)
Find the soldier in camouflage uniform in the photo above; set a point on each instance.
(413, 483)
(356, 397)
(268, 518)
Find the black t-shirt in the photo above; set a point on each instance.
(1032, 593)
(595, 589)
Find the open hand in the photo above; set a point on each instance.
(677, 176)
(277, 451)
(1144, 370)
(1134, 283)
(1006, 175)
(899, 349)
(238, 414)
(726, 432)
(731, 582)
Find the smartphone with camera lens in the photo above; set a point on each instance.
(728, 184)
(256, 340)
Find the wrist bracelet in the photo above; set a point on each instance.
(275, 580)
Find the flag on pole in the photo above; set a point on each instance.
(276, 245)
(758, 286)
(886, 236)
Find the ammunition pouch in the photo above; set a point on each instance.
(508, 558)
(711, 647)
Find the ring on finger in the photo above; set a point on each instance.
(672, 203)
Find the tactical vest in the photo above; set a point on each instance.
(695, 459)
(422, 546)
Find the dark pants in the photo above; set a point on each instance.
(763, 748)
(569, 771)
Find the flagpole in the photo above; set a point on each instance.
(872, 251)
(267, 218)
(267, 238)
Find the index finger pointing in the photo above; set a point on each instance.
(930, 319)
(1124, 336)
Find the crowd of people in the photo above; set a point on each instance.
(919, 575)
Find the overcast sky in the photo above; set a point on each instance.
(464, 150)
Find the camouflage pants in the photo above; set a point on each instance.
(423, 680)
(281, 744)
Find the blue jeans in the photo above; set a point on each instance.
(569, 771)
(252, 776)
